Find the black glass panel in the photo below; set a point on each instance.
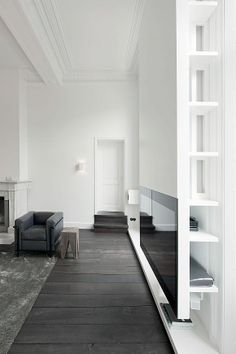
(159, 237)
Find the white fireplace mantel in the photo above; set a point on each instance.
(16, 192)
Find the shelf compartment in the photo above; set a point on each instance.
(203, 289)
(201, 11)
(202, 236)
(198, 107)
(203, 154)
(202, 58)
(203, 202)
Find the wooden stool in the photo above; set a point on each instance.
(70, 236)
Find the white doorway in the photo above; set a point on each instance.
(109, 175)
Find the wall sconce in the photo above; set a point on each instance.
(133, 196)
(80, 166)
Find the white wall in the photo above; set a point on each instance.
(8, 125)
(23, 129)
(63, 122)
(157, 97)
(13, 125)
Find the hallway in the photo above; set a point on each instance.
(98, 304)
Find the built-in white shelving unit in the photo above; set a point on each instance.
(204, 114)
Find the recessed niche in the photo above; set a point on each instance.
(197, 137)
(200, 76)
(200, 133)
(201, 177)
(199, 38)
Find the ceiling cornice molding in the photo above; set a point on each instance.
(40, 21)
(49, 16)
(23, 22)
(131, 52)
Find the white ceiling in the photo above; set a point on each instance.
(73, 40)
(97, 32)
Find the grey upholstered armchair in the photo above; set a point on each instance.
(38, 231)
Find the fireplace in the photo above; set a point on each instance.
(4, 214)
(13, 203)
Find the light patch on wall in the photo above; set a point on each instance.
(80, 166)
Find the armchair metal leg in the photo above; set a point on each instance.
(50, 253)
(17, 250)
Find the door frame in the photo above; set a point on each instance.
(96, 141)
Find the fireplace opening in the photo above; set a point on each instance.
(4, 214)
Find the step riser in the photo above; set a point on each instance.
(110, 226)
(145, 226)
(147, 231)
(110, 220)
(146, 219)
(121, 231)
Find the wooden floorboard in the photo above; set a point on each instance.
(94, 288)
(91, 334)
(95, 278)
(95, 258)
(98, 304)
(50, 300)
(97, 269)
(93, 315)
(128, 348)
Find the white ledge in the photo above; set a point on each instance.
(201, 11)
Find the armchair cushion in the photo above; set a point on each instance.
(35, 233)
(40, 217)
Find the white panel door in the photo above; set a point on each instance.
(110, 175)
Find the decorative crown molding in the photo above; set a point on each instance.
(43, 19)
(49, 16)
(22, 20)
(132, 52)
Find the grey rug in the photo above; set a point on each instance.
(20, 282)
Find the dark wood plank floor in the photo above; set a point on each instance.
(98, 304)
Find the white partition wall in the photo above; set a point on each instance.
(183, 184)
(164, 121)
(181, 115)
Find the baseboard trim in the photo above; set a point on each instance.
(80, 225)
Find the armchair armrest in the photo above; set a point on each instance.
(54, 226)
(25, 221)
(53, 220)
